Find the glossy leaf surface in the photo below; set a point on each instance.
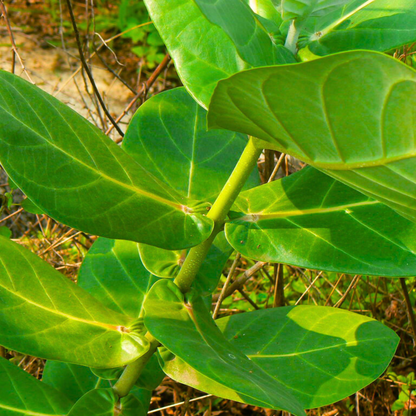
(46, 315)
(355, 123)
(78, 176)
(210, 41)
(380, 25)
(113, 273)
(194, 161)
(187, 330)
(22, 394)
(311, 220)
(321, 354)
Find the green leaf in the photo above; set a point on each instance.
(354, 124)
(210, 41)
(5, 232)
(194, 161)
(46, 315)
(321, 354)
(266, 10)
(31, 207)
(75, 381)
(80, 177)
(302, 9)
(311, 220)
(22, 394)
(187, 330)
(70, 379)
(113, 273)
(97, 402)
(166, 264)
(380, 25)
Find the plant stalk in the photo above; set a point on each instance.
(132, 372)
(196, 256)
(218, 213)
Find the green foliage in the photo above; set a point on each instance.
(168, 209)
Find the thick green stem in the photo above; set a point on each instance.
(218, 213)
(132, 372)
(292, 37)
(196, 256)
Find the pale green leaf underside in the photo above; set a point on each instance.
(46, 315)
(302, 9)
(314, 221)
(351, 115)
(77, 175)
(22, 394)
(194, 161)
(210, 41)
(187, 330)
(113, 273)
(322, 354)
(380, 25)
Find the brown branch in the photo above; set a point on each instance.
(410, 312)
(87, 69)
(145, 87)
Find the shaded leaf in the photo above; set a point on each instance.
(166, 264)
(31, 207)
(46, 315)
(5, 232)
(302, 9)
(97, 402)
(311, 220)
(210, 41)
(321, 354)
(188, 331)
(80, 177)
(70, 379)
(381, 25)
(22, 394)
(356, 123)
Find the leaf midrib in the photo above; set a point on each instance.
(28, 412)
(255, 217)
(98, 172)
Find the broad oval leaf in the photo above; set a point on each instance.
(187, 330)
(350, 115)
(379, 25)
(311, 220)
(321, 354)
(22, 394)
(195, 161)
(77, 175)
(113, 273)
(58, 320)
(210, 41)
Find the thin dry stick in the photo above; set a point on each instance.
(309, 287)
(178, 404)
(334, 288)
(240, 282)
(12, 215)
(279, 286)
(409, 306)
(227, 282)
(277, 167)
(247, 298)
(14, 47)
(145, 87)
(354, 281)
(87, 70)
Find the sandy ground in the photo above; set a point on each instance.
(50, 69)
